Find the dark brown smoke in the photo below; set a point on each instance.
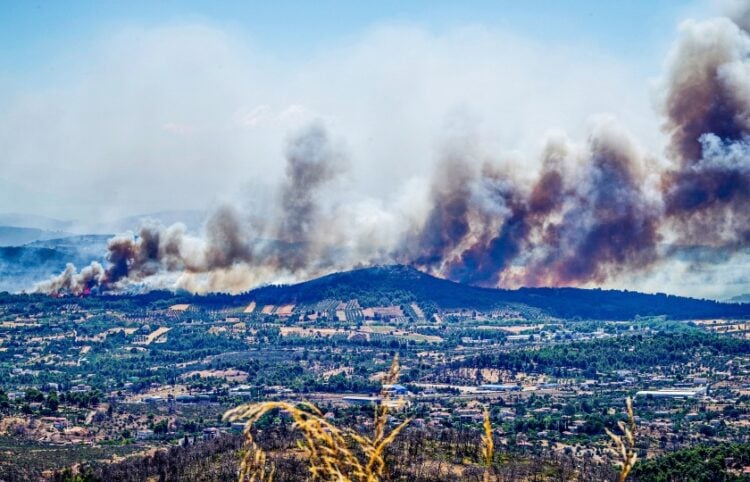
(603, 225)
(707, 110)
(227, 242)
(128, 258)
(448, 220)
(493, 247)
(568, 227)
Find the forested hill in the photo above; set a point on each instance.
(386, 285)
(401, 283)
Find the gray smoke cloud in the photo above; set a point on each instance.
(232, 254)
(311, 163)
(593, 211)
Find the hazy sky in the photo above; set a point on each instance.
(118, 108)
(34, 32)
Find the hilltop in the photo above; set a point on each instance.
(404, 283)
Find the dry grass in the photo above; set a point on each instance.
(334, 453)
(488, 446)
(343, 455)
(626, 443)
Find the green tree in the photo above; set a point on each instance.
(52, 402)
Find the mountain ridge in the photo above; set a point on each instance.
(19, 236)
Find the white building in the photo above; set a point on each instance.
(672, 393)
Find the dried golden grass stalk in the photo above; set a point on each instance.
(626, 445)
(488, 446)
(332, 452)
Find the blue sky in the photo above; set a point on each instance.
(32, 33)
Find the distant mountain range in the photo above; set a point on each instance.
(18, 236)
(44, 223)
(743, 298)
(33, 248)
(58, 228)
(21, 267)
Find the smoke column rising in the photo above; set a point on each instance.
(707, 110)
(594, 211)
(232, 255)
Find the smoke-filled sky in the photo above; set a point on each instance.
(494, 143)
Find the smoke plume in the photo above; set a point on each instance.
(594, 211)
(232, 255)
(707, 119)
(572, 225)
(311, 163)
